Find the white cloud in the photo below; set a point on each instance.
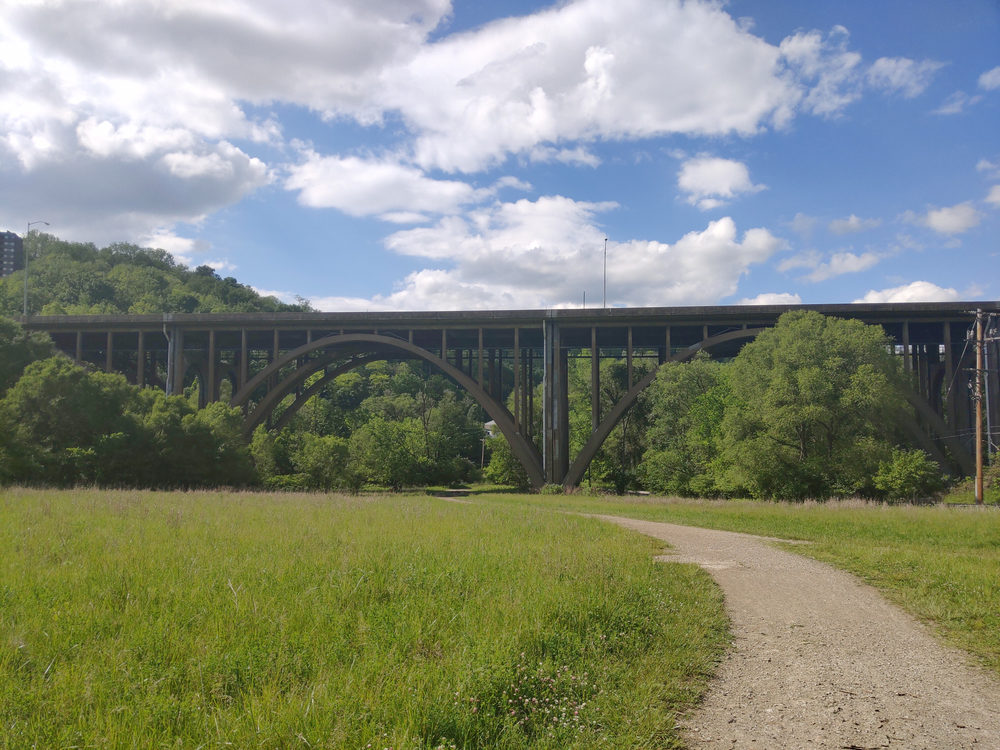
(808, 259)
(990, 79)
(361, 187)
(832, 71)
(180, 247)
(119, 116)
(837, 265)
(772, 298)
(544, 253)
(709, 181)
(578, 156)
(286, 297)
(587, 70)
(185, 250)
(803, 224)
(404, 217)
(841, 263)
(917, 291)
(949, 219)
(901, 74)
(993, 197)
(514, 183)
(957, 103)
(990, 168)
(853, 224)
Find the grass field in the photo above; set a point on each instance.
(940, 563)
(133, 619)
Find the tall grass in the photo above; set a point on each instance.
(134, 619)
(940, 563)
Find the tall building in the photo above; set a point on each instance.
(11, 253)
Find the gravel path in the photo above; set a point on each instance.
(820, 660)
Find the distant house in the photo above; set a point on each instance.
(11, 253)
(491, 428)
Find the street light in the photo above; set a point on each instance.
(605, 273)
(25, 243)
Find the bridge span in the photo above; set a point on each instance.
(261, 360)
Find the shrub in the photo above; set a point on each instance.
(908, 475)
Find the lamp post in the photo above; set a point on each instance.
(25, 243)
(605, 273)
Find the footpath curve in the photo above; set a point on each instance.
(821, 660)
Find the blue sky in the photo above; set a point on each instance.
(426, 154)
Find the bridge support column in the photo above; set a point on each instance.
(555, 414)
(175, 360)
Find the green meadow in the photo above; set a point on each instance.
(940, 563)
(142, 619)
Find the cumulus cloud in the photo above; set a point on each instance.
(901, 74)
(108, 199)
(832, 70)
(542, 253)
(853, 224)
(182, 248)
(948, 220)
(128, 118)
(838, 264)
(993, 198)
(371, 187)
(709, 181)
(120, 117)
(772, 298)
(586, 70)
(916, 291)
(990, 79)
(807, 259)
(841, 263)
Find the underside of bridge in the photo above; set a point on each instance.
(513, 363)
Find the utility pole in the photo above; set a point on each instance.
(979, 406)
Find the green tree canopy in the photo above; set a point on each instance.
(19, 348)
(813, 408)
(687, 401)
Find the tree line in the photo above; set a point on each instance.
(812, 408)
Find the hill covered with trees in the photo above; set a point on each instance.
(78, 278)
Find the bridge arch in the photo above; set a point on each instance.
(598, 436)
(371, 346)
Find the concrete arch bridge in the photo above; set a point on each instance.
(262, 360)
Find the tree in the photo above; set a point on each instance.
(687, 402)
(66, 425)
(19, 348)
(384, 452)
(324, 460)
(74, 424)
(813, 408)
(504, 468)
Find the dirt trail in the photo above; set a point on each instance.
(820, 660)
